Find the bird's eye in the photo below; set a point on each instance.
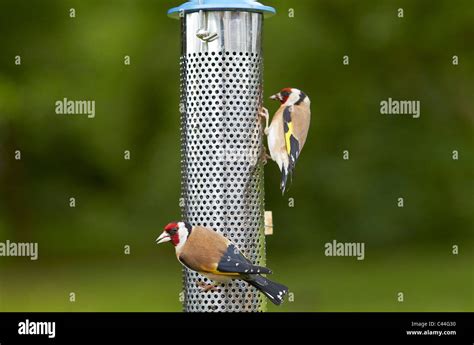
(173, 231)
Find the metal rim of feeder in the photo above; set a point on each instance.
(221, 95)
(221, 5)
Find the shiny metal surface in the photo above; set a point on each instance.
(237, 31)
(222, 174)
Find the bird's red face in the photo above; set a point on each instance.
(176, 233)
(283, 95)
(170, 233)
(291, 96)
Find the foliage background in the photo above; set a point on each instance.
(123, 202)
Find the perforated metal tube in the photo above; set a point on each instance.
(222, 173)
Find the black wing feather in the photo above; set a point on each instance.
(234, 261)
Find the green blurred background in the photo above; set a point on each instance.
(127, 202)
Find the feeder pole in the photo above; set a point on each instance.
(221, 137)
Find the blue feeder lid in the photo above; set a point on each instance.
(225, 5)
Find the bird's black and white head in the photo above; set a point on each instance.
(176, 232)
(291, 96)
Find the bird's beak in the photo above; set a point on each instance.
(164, 237)
(275, 97)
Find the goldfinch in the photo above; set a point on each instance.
(211, 254)
(288, 130)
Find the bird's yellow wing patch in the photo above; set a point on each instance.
(288, 135)
(291, 141)
(213, 269)
(224, 273)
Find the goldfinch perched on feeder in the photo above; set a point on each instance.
(288, 131)
(209, 253)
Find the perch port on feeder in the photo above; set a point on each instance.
(221, 137)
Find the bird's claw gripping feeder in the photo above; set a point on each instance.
(221, 145)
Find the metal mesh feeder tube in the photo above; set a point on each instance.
(221, 138)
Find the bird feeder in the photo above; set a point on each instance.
(221, 138)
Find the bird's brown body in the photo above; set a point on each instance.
(202, 252)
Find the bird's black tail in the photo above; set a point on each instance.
(284, 178)
(274, 291)
(285, 171)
